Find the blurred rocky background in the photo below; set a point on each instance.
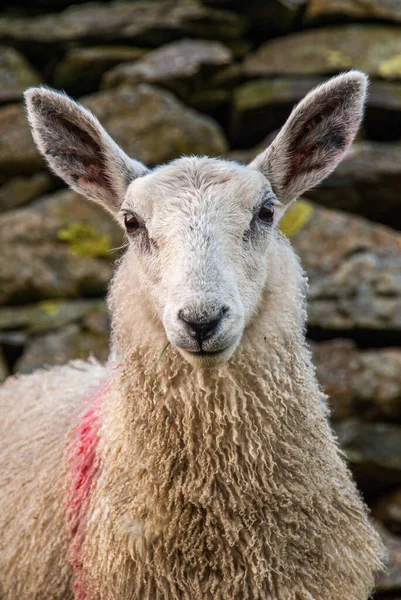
(217, 77)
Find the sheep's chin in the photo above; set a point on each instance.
(208, 361)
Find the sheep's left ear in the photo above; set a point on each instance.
(315, 137)
(79, 150)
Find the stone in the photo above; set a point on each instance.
(40, 5)
(388, 10)
(228, 78)
(214, 94)
(210, 101)
(375, 49)
(366, 182)
(18, 153)
(354, 270)
(61, 246)
(373, 451)
(388, 510)
(151, 125)
(382, 120)
(3, 367)
(142, 22)
(47, 315)
(389, 580)
(183, 66)
(266, 19)
(61, 346)
(261, 106)
(81, 69)
(53, 331)
(271, 18)
(246, 156)
(20, 190)
(385, 95)
(16, 74)
(364, 383)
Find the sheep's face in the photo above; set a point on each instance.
(201, 229)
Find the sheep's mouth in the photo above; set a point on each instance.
(209, 352)
(208, 358)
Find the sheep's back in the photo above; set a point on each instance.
(37, 414)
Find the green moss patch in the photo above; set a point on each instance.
(391, 67)
(84, 240)
(50, 307)
(296, 217)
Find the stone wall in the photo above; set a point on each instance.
(218, 77)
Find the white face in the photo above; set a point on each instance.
(200, 230)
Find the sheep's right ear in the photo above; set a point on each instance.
(78, 149)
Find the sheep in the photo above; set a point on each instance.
(198, 463)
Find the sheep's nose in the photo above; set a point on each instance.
(202, 328)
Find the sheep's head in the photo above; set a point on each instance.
(200, 229)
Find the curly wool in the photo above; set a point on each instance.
(37, 413)
(214, 484)
(224, 484)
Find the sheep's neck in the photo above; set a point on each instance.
(190, 432)
(209, 482)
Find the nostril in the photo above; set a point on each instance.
(207, 329)
(202, 328)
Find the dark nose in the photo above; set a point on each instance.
(202, 328)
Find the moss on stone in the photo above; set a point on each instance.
(338, 59)
(296, 217)
(260, 93)
(326, 51)
(84, 240)
(50, 307)
(391, 67)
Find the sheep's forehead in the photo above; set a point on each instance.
(190, 186)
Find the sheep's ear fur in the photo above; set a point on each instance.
(78, 149)
(315, 137)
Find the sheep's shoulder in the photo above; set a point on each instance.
(37, 414)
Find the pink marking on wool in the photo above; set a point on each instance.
(83, 463)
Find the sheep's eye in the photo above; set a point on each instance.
(131, 223)
(266, 212)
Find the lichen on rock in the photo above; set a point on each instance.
(329, 50)
(84, 240)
